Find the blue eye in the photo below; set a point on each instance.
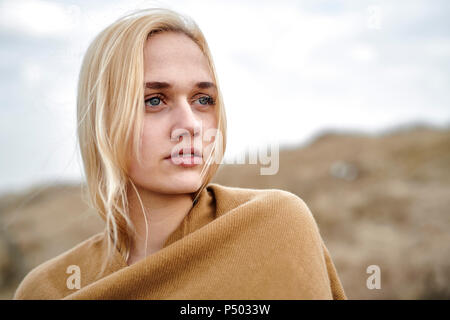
(157, 101)
(206, 100)
(153, 101)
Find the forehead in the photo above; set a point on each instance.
(172, 56)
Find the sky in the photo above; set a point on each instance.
(288, 70)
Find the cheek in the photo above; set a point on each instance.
(151, 142)
(209, 121)
(210, 134)
(209, 126)
(151, 146)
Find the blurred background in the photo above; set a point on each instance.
(356, 93)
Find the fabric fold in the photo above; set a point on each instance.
(235, 243)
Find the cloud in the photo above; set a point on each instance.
(38, 18)
(287, 69)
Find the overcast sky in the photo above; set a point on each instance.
(288, 70)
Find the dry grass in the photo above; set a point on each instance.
(380, 200)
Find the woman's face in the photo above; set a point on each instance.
(180, 96)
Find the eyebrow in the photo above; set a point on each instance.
(165, 85)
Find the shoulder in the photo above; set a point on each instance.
(239, 196)
(282, 223)
(48, 280)
(273, 204)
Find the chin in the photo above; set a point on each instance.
(171, 183)
(184, 184)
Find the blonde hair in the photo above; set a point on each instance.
(110, 120)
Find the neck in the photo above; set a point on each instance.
(163, 214)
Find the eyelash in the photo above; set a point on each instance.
(211, 100)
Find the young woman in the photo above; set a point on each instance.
(152, 133)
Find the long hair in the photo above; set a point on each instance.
(110, 115)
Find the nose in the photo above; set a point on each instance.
(185, 123)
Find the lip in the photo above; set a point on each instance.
(176, 153)
(177, 158)
(186, 162)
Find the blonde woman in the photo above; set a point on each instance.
(152, 133)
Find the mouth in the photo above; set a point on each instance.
(185, 153)
(186, 158)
